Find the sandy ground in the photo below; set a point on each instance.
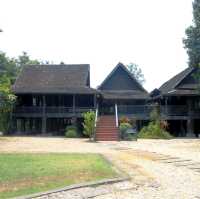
(158, 168)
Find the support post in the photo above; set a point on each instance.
(95, 101)
(190, 128)
(190, 122)
(166, 110)
(44, 119)
(74, 104)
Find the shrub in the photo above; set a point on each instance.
(154, 131)
(123, 128)
(71, 132)
(89, 123)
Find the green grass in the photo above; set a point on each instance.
(22, 174)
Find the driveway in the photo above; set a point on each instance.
(158, 168)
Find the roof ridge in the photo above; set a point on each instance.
(177, 79)
(128, 72)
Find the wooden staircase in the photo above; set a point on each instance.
(106, 129)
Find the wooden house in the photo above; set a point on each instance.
(50, 97)
(179, 102)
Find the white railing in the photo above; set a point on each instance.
(116, 115)
(96, 115)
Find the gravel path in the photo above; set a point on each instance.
(158, 169)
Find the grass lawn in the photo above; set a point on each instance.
(22, 174)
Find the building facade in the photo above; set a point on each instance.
(50, 97)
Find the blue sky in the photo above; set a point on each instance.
(101, 33)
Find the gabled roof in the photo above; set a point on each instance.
(184, 83)
(120, 65)
(54, 79)
(136, 91)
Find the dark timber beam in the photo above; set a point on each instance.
(44, 119)
(95, 100)
(190, 122)
(74, 104)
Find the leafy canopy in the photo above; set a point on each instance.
(136, 71)
(192, 40)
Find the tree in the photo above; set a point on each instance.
(7, 100)
(24, 59)
(8, 67)
(192, 40)
(136, 71)
(12, 66)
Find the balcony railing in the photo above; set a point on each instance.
(169, 110)
(51, 109)
(135, 109)
(173, 110)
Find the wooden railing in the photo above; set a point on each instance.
(135, 109)
(51, 109)
(140, 110)
(170, 110)
(173, 110)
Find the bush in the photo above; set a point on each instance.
(71, 132)
(89, 123)
(154, 131)
(123, 128)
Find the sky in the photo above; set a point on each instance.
(100, 33)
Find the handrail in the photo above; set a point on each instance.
(116, 115)
(96, 115)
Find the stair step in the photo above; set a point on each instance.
(111, 139)
(106, 127)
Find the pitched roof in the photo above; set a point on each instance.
(184, 83)
(120, 65)
(54, 79)
(135, 92)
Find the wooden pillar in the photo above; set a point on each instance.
(13, 124)
(74, 103)
(24, 124)
(44, 119)
(190, 122)
(190, 128)
(95, 100)
(166, 108)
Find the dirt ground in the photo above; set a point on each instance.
(157, 168)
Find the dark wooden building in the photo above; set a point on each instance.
(49, 97)
(179, 102)
(121, 95)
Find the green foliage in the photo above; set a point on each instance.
(12, 66)
(71, 132)
(136, 71)
(89, 123)
(192, 41)
(154, 131)
(7, 100)
(123, 128)
(155, 114)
